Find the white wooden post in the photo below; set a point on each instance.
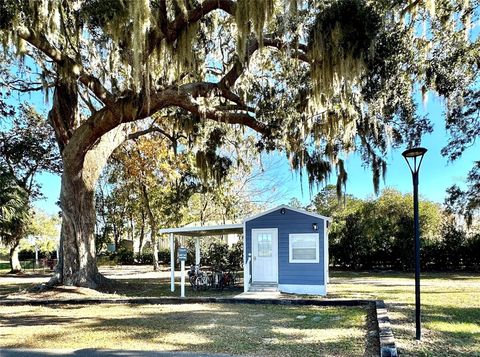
(182, 279)
(197, 251)
(172, 263)
(247, 274)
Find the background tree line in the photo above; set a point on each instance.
(377, 232)
(27, 148)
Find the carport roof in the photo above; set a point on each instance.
(201, 231)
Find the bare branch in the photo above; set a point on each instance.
(97, 88)
(173, 29)
(87, 102)
(40, 42)
(194, 15)
(152, 129)
(299, 52)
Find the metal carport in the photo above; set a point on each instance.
(197, 232)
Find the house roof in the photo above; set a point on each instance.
(289, 208)
(201, 231)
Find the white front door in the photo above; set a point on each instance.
(265, 255)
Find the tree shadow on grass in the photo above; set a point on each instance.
(161, 288)
(94, 352)
(26, 275)
(7, 289)
(16, 320)
(232, 329)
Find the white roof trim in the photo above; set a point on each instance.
(291, 209)
(205, 230)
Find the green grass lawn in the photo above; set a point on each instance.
(450, 306)
(260, 330)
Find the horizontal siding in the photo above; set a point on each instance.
(291, 222)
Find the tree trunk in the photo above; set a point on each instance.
(142, 234)
(78, 224)
(132, 228)
(78, 265)
(14, 261)
(115, 236)
(153, 227)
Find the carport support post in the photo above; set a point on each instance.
(182, 278)
(197, 251)
(172, 263)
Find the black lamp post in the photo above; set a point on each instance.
(414, 158)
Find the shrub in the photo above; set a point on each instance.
(164, 256)
(145, 258)
(124, 256)
(26, 254)
(235, 255)
(217, 254)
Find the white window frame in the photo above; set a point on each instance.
(317, 247)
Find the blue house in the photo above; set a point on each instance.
(287, 248)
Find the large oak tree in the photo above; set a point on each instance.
(315, 79)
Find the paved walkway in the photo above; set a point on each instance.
(98, 353)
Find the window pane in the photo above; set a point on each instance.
(264, 245)
(304, 246)
(304, 254)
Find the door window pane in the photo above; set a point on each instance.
(264, 244)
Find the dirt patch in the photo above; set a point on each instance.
(372, 343)
(57, 293)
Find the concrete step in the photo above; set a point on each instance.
(263, 287)
(259, 295)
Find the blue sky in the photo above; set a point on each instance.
(436, 174)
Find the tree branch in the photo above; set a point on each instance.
(205, 89)
(40, 42)
(176, 26)
(298, 52)
(97, 88)
(91, 82)
(187, 102)
(172, 30)
(235, 107)
(152, 129)
(87, 102)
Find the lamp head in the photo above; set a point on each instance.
(414, 156)
(414, 152)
